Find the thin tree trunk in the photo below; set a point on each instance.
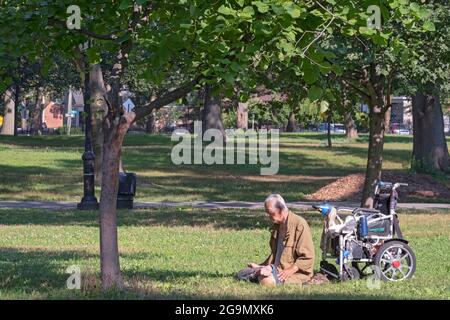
(375, 155)
(430, 151)
(99, 109)
(212, 114)
(9, 117)
(36, 121)
(242, 115)
(150, 124)
(16, 108)
(329, 120)
(350, 128)
(109, 248)
(387, 117)
(292, 123)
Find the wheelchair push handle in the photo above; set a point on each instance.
(398, 184)
(390, 185)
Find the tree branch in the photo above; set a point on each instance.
(164, 100)
(359, 90)
(111, 36)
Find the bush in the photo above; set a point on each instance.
(73, 131)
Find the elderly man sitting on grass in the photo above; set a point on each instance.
(292, 251)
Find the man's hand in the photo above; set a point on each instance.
(265, 271)
(254, 265)
(286, 273)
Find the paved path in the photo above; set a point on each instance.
(58, 205)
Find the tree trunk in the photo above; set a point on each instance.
(212, 115)
(350, 128)
(375, 155)
(242, 116)
(36, 121)
(114, 134)
(9, 117)
(150, 124)
(387, 118)
(16, 108)
(430, 151)
(292, 123)
(329, 121)
(99, 109)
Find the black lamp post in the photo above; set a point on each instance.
(89, 201)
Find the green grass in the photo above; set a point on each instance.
(180, 253)
(50, 168)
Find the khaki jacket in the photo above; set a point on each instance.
(298, 249)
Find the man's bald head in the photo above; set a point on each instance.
(276, 208)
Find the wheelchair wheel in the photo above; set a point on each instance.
(394, 261)
(329, 268)
(350, 273)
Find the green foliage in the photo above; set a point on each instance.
(229, 118)
(274, 113)
(222, 41)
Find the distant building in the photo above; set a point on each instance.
(77, 107)
(53, 115)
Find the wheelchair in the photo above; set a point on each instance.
(366, 239)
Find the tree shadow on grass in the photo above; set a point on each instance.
(235, 219)
(30, 270)
(42, 272)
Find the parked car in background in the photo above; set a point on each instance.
(335, 127)
(338, 128)
(399, 128)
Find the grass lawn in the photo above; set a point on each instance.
(50, 168)
(190, 253)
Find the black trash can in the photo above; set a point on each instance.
(127, 190)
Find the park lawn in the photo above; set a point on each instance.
(49, 168)
(175, 253)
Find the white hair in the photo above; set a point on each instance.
(279, 201)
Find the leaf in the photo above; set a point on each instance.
(229, 78)
(261, 7)
(379, 40)
(248, 12)
(93, 55)
(235, 66)
(277, 9)
(185, 25)
(290, 36)
(429, 26)
(324, 105)
(292, 10)
(286, 46)
(125, 4)
(315, 93)
(226, 11)
(367, 31)
(310, 78)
